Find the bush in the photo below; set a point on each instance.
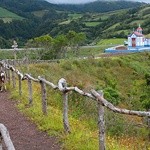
(147, 77)
(112, 95)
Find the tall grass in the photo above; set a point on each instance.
(117, 75)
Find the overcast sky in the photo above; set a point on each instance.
(85, 1)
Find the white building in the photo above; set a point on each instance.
(136, 38)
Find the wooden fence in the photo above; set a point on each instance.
(62, 86)
(4, 135)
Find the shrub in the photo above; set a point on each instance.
(147, 77)
(112, 95)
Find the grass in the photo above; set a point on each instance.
(113, 41)
(112, 27)
(40, 13)
(137, 22)
(71, 17)
(65, 22)
(122, 74)
(86, 51)
(8, 16)
(74, 16)
(92, 24)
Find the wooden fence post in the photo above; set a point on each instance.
(62, 85)
(30, 91)
(65, 112)
(20, 85)
(13, 79)
(8, 75)
(6, 137)
(1, 142)
(101, 124)
(44, 97)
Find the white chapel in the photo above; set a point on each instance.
(136, 38)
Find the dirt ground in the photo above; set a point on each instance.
(23, 133)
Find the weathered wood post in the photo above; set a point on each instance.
(5, 68)
(30, 91)
(44, 97)
(1, 141)
(8, 75)
(13, 79)
(62, 84)
(20, 85)
(101, 124)
(5, 135)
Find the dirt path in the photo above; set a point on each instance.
(23, 133)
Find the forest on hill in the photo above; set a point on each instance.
(41, 18)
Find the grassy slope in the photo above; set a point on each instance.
(113, 41)
(7, 16)
(96, 19)
(123, 76)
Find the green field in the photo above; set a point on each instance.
(40, 13)
(75, 16)
(113, 41)
(92, 24)
(8, 16)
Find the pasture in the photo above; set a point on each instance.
(8, 16)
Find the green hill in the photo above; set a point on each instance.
(43, 18)
(114, 24)
(8, 16)
(100, 6)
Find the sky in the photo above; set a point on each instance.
(84, 1)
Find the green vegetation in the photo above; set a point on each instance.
(40, 13)
(74, 16)
(91, 24)
(125, 81)
(87, 51)
(98, 20)
(8, 16)
(114, 41)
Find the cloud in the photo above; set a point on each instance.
(70, 1)
(85, 1)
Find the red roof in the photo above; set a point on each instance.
(139, 29)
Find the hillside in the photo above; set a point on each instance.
(115, 24)
(101, 6)
(125, 82)
(41, 17)
(24, 8)
(8, 16)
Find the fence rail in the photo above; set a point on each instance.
(62, 87)
(4, 135)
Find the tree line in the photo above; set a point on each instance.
(54, 48)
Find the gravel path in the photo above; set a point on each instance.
(23, 133)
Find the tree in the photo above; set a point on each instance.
(60, 46)
(44, 44)
(75, 40)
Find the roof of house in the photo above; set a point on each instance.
(139, 29)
